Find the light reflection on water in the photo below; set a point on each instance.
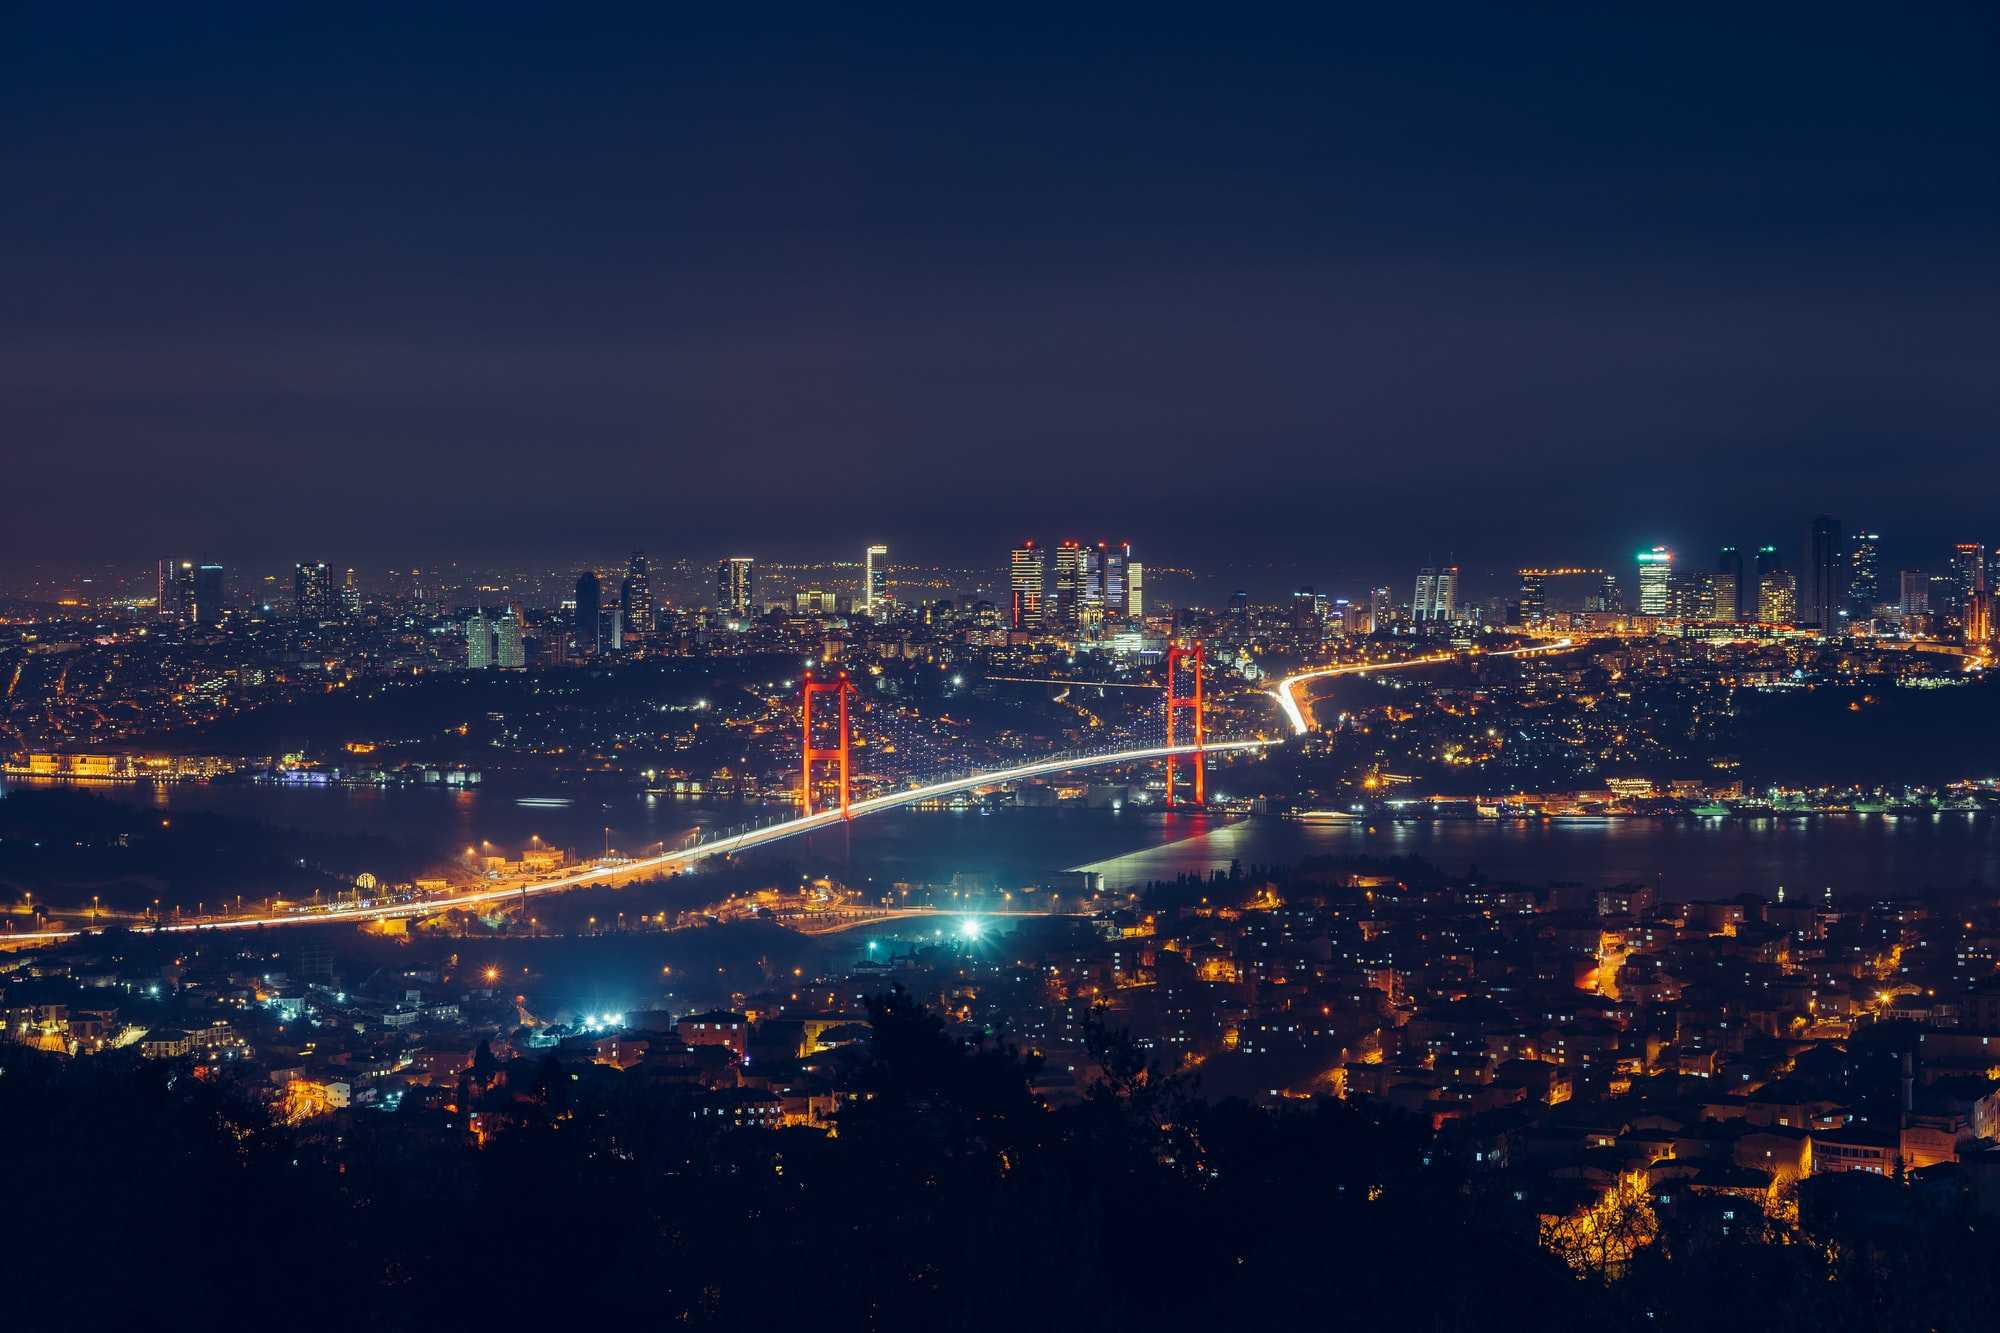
(1859, 854)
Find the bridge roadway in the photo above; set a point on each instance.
(666, 861)
(1295, 712)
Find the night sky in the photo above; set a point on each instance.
(1353, 289)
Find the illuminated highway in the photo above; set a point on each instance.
(668, 861)
(1287, 697)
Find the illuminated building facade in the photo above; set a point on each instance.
(1026, 567)
(1968, 575)
(1656, 582)
(314, 596)
(874, 580)
(478, 642)
(1071, 575)
(1718, 597)
(1437, 594)
(736, 586)
(1864, 574)
(1778, 597)
(509, 653)
(635, 595)
(1135, 587)
(1913, 592)
(174, 583)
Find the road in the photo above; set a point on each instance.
(666, 862)
(1286, 691)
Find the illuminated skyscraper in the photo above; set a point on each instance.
(1729, 563)
(874, 580)
(210, 593)
(1531, 604)
(1109, 570)
(350, 595)
(478, 642)
(589, 612)
(736, 587)
(1913, 592)
(509, 654)
(635, 596)
(1968, 575)
(1718, 598)
(1778, 596)
(1656, 582)
(1437, 594)
(1864, 575)
(1979, 618)
(174, 584)
(1135, 587)
(313, 595)
(1826, 576)
(1026, 567)
(1065, 605)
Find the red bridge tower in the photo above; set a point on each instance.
(1176, 701)
(840, 688)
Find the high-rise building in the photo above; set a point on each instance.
(1778, 597)
(478, 642)
(1968, 574)
(874, 580)
(1437, 594)
(736, 586)
(635, 595)
(1656, 582)
(1109, 565)
(314, 596)
(174, 588)
(1718, 598)
(1729, 562)
(1864, 575)
(1531, 605)
(1913, 592)
(210, 593)
(1381, 610)
(1979, 618)
(589, 623)
(1608, 597)
(350, 595)
(1026, 568)
(509, 653)
(1135, 588)
(1064, 611)
(1826, 575)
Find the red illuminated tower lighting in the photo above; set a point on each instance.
(1176, 701)
(839, 688)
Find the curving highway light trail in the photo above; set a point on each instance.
(1286, 692)
(740, 842)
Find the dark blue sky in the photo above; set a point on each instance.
(1346, 286)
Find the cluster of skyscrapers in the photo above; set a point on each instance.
(1839, 585)
(1073, 587)
(190, 593)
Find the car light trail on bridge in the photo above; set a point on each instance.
(1288, 701)
(740, 842)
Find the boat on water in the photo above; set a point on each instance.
(1326, 816)
(1713, 810)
